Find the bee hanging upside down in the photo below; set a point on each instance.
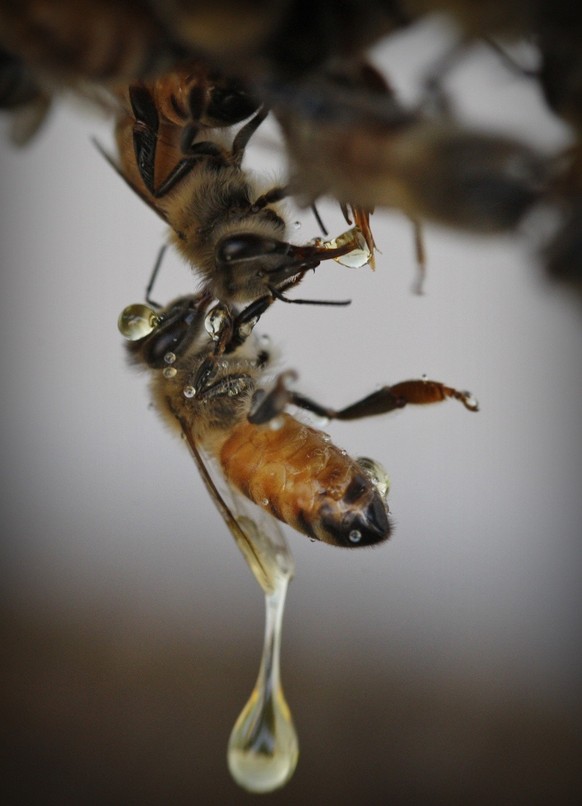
(289, 469)
(176, 151)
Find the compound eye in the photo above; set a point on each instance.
(174, 339)
(246, 246)
(229, 105)
(174, 334)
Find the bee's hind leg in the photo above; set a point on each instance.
(389, 398)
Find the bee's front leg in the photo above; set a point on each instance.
(266, 406)
(228, 331)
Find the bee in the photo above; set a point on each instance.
(234, 420)
(367, 148)
(175, 154)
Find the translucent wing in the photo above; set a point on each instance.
(257, 533)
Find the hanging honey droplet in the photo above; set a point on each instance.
(263, 748)
(137, 321)
(359, 255)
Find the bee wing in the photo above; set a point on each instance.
(142, 194)
(257, 533)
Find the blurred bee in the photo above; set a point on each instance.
(366, 148)
(553, 27)
(287, 468)
(105, 41)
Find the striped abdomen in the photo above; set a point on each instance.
(300, 477)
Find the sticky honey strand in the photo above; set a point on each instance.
(263, 748)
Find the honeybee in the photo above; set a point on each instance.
(289, 469)
(174, 154)
(372, 151)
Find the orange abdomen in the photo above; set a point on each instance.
(301, 478)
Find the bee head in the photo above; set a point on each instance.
(252, 263)
(153, 334)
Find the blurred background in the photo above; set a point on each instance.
(443, 667)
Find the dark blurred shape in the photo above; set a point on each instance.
(562, 254)
(68, 41)
(21, 93)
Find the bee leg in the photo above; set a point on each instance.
(278, 294)
(246, 320)
(420, 253)
(387, 399)
(221, 328)
(267, 406)
(233, 332)
(205, 373)
(244, 134)
(272, 196)
(414, 392)
(196, 153)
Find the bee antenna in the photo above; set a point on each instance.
(153, 277)
(319, 220)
